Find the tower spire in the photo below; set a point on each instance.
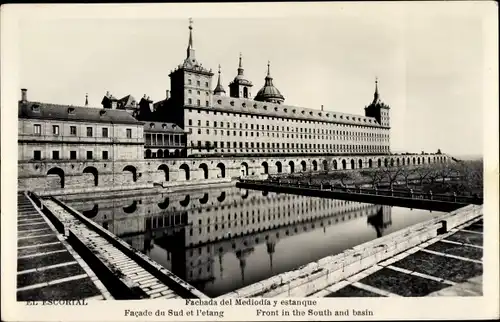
(219, 89)
(190, 48)
(376, 95)
(268, 68)
(240, 67)
(86, 99)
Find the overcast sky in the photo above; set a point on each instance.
(428, 58)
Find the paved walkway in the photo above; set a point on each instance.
(47, 266)
(448, 265)
(112, 257)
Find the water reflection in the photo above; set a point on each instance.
(222, 239)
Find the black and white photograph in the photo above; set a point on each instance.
(300, 151)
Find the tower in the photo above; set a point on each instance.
(219, 89)
(378, 109)
(190, 84)
(269, 93)
(240, 87)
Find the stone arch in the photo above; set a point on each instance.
(203, 200)
(291, 164)
(408, 161)
(392, 162)
(429, 160)
(304, 165)
(386, 163)
(418, 160)
(204, 167)
(414, 160)
(159, 153)
(397, 162)
(132, 170)
(164, 168)
(370, 163)
(244, 169)
(92, 212)
(423, 160)
(164, 204)
(185, 168)
(315, 165)
(403, 161)
(94, 172)
(130, 208)
(222, 170)
(185, 201)
(335, 164)
(265, 165)
(59, 173)
(147, 154)
(379, 163)
(222, 196)
(279, 167)
(325, 165)
(177, 153)
(344, 164)
(353, 164)
(360, 164)
(245, 92)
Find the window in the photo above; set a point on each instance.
(207, 104)
(189, 81)
(104, 155)
(190, 122)
(129, 133)
(105, 132)
(190, 101)
(55, 155)
(72, 130)
(206, 84)
(198, 102)
(89, 155)
(89, 132)
(198, 83)
(37, 155)
(37, 129)
(72, 155)
(55, 129)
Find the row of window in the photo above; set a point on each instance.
(272, 118)
(273, 145)
(198, 83)
(315, 137)
(290, 129)
(73, 131)
(37, 155)
(165, 139)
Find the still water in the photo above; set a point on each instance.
(222, 239)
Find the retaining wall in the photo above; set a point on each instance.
(318, 275)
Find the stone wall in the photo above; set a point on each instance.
(68, 174)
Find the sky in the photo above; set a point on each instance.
(429, 58)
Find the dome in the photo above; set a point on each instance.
(269, 93)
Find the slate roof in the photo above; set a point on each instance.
(240, 105)
(162, 127)
(38, 110)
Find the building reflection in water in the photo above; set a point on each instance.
(225, 238)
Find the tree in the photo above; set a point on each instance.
(375, 176)
(406, 173)
(391, 174)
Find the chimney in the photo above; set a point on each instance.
(321, 107)
(168, 94)
(24, 94)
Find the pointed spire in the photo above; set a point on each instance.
(269, 79)
(268, 68)
(219, 89)
(240, 67)
(87, 99)
(190, 48)
(376, 95)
